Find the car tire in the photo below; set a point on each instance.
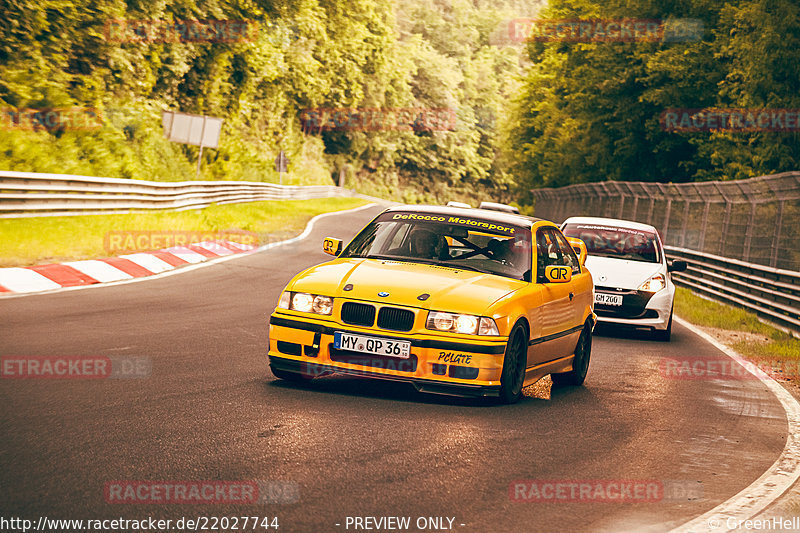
(664, 335)
(580, 365)
(514, 363)
(286, 375)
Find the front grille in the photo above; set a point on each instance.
(633, 304)
(395, 319)
(373, 361)
(610, 313)
(358, 314)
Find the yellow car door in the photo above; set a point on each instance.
(556, 337)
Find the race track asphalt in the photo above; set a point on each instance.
(211, 410)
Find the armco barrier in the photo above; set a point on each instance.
(772, 293)
(25, 194)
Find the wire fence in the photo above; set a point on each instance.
(755, 220)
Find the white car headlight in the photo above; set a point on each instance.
(456, 323)
(654, 284)
(306, 303)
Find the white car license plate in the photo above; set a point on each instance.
(607, 299)
(371, 345)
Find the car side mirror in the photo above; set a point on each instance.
(580, 249)
(558, 274)
(677, 265)
(332, 246)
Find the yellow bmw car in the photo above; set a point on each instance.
(459, 301)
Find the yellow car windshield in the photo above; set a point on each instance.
(463, 243)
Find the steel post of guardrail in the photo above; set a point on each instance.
(773, 260)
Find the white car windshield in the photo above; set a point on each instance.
(458, 242)
(616, 242)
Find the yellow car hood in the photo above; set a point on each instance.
(450, 289)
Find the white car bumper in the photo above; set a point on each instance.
(657, 312)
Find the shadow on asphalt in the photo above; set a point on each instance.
(402, 392)
(622, 332)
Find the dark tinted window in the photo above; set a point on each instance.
(620, 243)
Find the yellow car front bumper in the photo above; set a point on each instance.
(437, 364)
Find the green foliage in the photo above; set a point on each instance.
(564, 113)
(590, 111)
(416, 54)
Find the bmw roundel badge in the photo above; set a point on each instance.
(383, 294)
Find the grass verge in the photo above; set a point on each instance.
(38, 240)
(757, 340)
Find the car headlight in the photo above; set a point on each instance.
(306, 303)
(654, 284)
(285, 301)
(457, 323)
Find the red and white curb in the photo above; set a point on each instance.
(124, 267)
(132, 268)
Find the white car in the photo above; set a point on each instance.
(631, 274)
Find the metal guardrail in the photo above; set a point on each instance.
(25, 194)
(753, 220)
(772, 293)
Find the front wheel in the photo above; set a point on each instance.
(580, 364)
(514, 363)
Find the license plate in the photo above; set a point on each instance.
(607, 299)
(371, 345)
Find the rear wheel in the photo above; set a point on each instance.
(580, 364)
(664, 335)
(514, 363)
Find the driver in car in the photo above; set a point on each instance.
(423, 243)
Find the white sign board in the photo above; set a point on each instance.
(198, 130)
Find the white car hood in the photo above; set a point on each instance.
(621, 273)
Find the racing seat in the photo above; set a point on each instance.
(501, 249)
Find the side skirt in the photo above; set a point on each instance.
(535, 373)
